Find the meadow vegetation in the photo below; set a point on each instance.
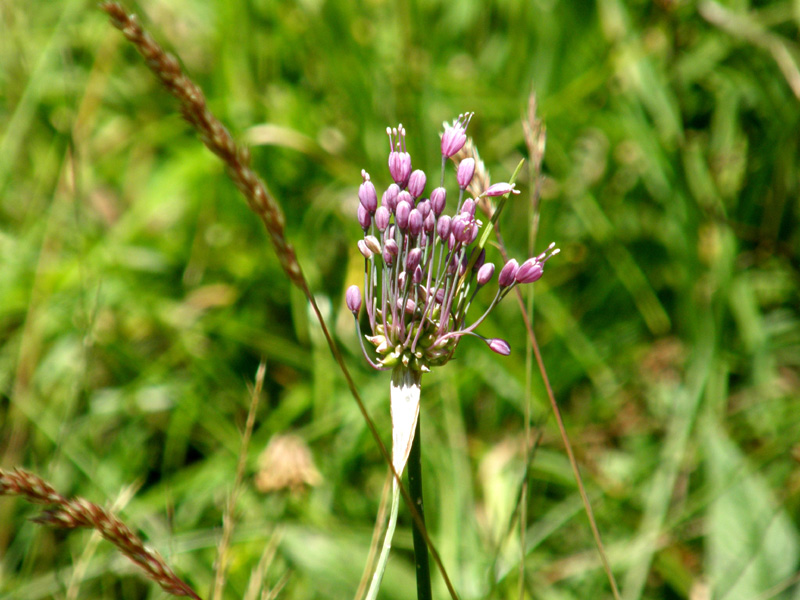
(139, 294)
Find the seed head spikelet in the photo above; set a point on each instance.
(80, 513)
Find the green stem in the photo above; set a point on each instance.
(420, 547)
(375, 585)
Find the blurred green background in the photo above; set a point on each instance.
(138, 293)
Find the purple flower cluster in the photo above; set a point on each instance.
(422, 267)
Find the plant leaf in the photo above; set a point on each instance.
(405, 393)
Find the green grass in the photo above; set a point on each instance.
(138, 293)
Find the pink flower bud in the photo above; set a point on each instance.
(367, 194)
(400, 167)
(485, 273)
(391, 247)
(389, 199)
(364, 249)
(417, 274)
(382, 218)
(424, 207)
(468, 208)
(415, 221)
(443, 227)
(353, 299)
(466, 169)
(454, 137)
(413, 259)
(507, 273)
(416, 183)
(499, 346)
(429, 223)
(531, 270)
(438, 200)
(401, 215)
(363, 217)
(500, 189)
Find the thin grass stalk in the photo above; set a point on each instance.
(383, 559)
(257, 576)
(587, 506)
(535, 141)
(228, 517)
(420, 548)
(376, 539)
(217, 139)
(80, 513)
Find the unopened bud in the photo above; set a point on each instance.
(382, 218)
(367, 194)
(364, 249)
(373, 244)
(499, 346)
(416, 183)
(485, 273)
(500, 189)
(507, 273)
(438, 200)
(353, 299)
(466, 169)
(531, 270)
(364, 218)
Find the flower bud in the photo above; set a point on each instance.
(401, 215)
(461, 228)
(443, 227)
(499, 346)
(500, 189)
(531, 270)
(415, 221)
(405, 196)
(417, 278)
(389, 199)
(388, 258)
(424, 207)
(416, 183)
(438, 200)
(468, 208)
(353, 299)
(382, 218)
(466, 169)
(391, 247)
(413, 259)
(367, 194)
(485, 273)
(373, 244)
(363, 217)
(364, 249)
(472, 232)
(480, 260)
(429, 223)
(454, 137)
(507, 273)
(400, 167)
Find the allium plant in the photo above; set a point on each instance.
(423, 269)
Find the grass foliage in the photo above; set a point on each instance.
(138, 293)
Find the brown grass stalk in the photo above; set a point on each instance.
(77, 513)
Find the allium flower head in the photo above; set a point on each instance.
(422, 267)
